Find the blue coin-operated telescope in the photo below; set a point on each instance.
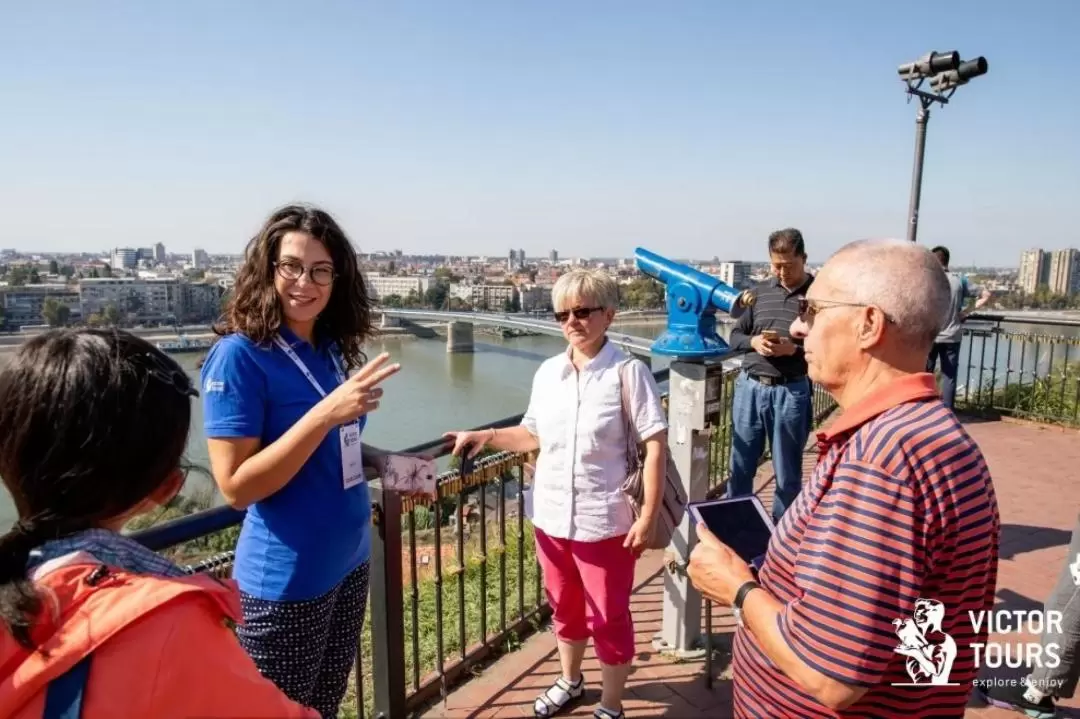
(692, 300)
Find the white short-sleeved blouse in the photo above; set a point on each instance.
(577, 419)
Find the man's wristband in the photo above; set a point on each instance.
(740, 596)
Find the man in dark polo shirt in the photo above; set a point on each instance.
(864, 605)
(772, 394)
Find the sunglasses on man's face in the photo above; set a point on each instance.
(808, 309)
(579, 313)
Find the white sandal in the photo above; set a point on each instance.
(602, 713)
(557, 696)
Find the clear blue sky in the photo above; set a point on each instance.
(692, 128)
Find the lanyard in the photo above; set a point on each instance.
(303, 367)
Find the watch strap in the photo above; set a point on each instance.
(740, 595)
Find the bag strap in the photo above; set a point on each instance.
(632, 443)
(64, 697)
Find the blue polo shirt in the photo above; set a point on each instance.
(303, 540)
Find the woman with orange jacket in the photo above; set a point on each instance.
(95, 625)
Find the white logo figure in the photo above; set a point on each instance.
(930, 651)
(1075, 569)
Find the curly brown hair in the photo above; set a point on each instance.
(254, 308)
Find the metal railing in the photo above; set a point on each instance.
(455, 582)
(1028, 369)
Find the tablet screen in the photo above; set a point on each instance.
(739, 524)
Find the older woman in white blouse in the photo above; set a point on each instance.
(587, 538)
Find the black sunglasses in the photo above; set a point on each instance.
(579, 313)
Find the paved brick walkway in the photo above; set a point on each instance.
(1036, 474)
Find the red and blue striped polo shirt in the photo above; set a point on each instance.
(900, 509)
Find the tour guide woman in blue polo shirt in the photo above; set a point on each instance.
(284, 426)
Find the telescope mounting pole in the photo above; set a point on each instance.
(916, 177)
(688, 442)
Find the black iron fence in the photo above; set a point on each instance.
(1028, 369)
(455, 582)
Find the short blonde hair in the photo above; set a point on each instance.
(594, 286)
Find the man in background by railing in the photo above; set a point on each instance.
(772, 393)
(865, 598)
(946, 347)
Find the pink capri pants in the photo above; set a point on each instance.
(588, 585)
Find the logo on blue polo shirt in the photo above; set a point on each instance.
(214, 385)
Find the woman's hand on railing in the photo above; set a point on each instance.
(504, 439)
(469, 443)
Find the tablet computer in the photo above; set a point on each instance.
(739, 522)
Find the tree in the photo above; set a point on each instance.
(35, 278)
(393, 301)
(67, 271)
(54, 268)
(435, 297)
(18, 276)
(513, 304)
(134, 304)
(110, 315)
(642, 293)
(55, 312)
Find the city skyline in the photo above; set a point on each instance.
(600, 127)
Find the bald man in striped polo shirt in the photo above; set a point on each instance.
(863, 605)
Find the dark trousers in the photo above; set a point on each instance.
(308, 648)
(781, 414)
(949, 354)
(1060, 681)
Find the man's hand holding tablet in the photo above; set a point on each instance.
(733, 534)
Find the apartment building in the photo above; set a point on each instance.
(1057, 270)
(163, 299)
(1034, 270)
(483, 296)
(1064, 272)
(24, 305)
(734, 274)
(535, 297)
(381, 286)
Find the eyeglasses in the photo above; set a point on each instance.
(808, 309)
(292, 270)
(579, 313)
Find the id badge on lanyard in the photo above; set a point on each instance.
(352, 453)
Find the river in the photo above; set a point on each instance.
(436, 391)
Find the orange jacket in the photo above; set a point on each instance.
(161, 648)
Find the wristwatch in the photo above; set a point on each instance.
(740, 597)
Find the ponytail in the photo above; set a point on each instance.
(19, 602)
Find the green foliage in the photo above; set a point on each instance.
(55, 312)
(479, 584)
(197, 549)
(641, 293)
(1041, 299)
(1054, 397)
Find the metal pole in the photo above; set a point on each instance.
(387, 609)
(689, 446)
(916, 176)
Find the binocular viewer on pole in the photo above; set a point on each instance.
(943, 69)
(946, 73)
(693, 298)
